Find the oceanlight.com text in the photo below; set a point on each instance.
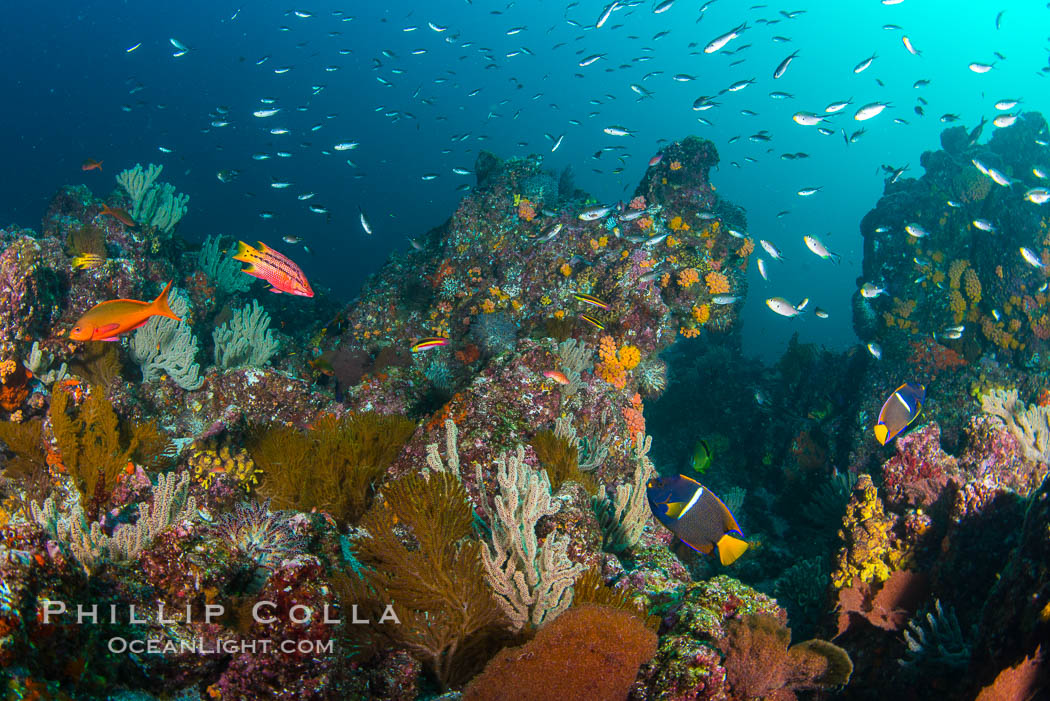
(199, 646)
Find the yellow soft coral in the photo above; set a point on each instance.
(870, 552)
(688, 277)
(994, 332)
(955, 271)
(677, 224)
(973, 285)
(629, 357)
(717, 283)
(903, 308)
(957, 304)
(746, 248)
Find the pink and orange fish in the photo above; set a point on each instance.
(275, 268)
(91, 164)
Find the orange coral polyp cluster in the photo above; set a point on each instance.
(526, 211)
(688, 277)
(717, 283)
(635, 421)
(610, 369)
(702, 313)
(629, 357)
(677, 224)
(746, 248)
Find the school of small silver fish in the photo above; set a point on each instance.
(588, 83)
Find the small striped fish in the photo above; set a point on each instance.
(276, 269)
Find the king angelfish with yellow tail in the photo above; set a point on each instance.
(275, 268)
(698, 517)
(899, 411)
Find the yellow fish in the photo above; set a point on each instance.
(88, 261)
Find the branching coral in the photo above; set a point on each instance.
(91, 546)
(165, 345)
(559, 456)
(222, 270)
(436, 586)
(1030, 424)
(623, 518)
(93, 448)
(153, 204)
(333, 466)
(246, 339)
(533, 582)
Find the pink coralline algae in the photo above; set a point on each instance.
(918, 474)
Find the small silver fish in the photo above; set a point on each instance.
(552, 233)
(1031, 258)
(762, 269)
(870, 290)
(875, 349)
(1037, 195)
(781, 306)
(772, 250)
(594, 213)
(725, 299)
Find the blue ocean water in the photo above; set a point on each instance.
(422, 87)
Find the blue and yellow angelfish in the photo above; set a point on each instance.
(696, 516)
(899, 411)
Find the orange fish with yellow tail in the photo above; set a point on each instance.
(275, 268)
(106, 321)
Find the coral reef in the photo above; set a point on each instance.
(484, 498)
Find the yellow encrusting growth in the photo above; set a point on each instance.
(871, 551)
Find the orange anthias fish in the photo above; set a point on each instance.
(108, 320)
(119, 214)
(91, 164)
(276, 269)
